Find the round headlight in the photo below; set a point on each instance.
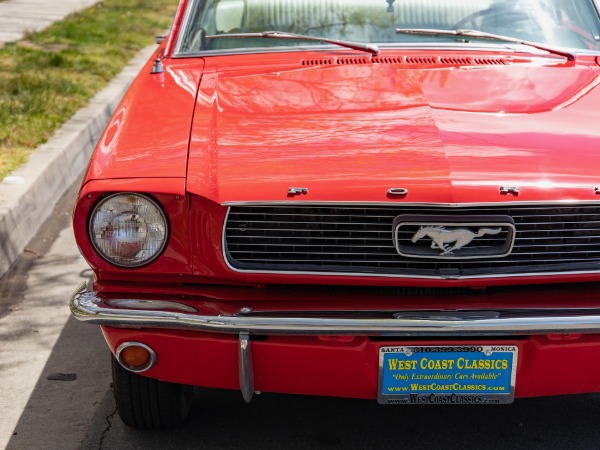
(128, 230)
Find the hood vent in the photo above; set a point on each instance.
(409, 60)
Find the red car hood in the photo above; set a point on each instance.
(351, 132)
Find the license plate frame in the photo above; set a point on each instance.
(447, 374)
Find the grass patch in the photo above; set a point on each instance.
(49, 75)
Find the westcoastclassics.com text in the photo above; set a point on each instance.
(444, 399)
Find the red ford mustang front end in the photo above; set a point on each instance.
(397, 202)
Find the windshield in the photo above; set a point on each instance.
(561, 23)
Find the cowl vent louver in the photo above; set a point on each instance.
(388, 60)
(345, 61)
(421, 60)
(490, 61)
(408, 60)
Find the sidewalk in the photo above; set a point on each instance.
(18, 17)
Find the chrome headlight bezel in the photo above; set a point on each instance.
(120, 261)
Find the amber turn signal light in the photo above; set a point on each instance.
(135, 356)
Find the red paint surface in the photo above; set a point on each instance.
(348, 366)
(147, 137)
(350, 132)
(246, 128)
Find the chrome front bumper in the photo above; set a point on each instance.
(130, 312)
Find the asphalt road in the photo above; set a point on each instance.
(55, 389)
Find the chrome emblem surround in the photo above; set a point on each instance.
(453, 237)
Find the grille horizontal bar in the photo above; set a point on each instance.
(359, 240)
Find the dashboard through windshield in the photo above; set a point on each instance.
(220, 25)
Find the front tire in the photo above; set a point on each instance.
(149, 404)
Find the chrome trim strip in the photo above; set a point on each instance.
(393, 46)
(511, 50)
(246, 366)
(150, 304)
(87, 307)
(415, 277)
(267, 203)
(183, 27)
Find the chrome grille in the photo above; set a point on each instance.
(359, 239)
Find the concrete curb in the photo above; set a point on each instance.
(29, 194)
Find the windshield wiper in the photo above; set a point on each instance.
(484, 35)
(370, 48)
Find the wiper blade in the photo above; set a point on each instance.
(484, 35)
(369, 48)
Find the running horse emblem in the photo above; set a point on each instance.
(450, 240)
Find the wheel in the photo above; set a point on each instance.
(146, 403)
